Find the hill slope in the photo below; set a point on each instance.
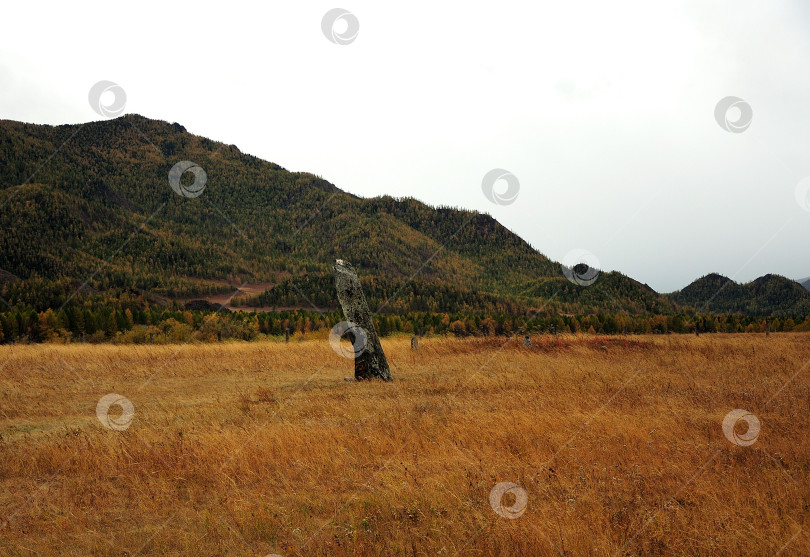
(90, 206)
(102, 211)
(767, 295)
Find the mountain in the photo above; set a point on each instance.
(101, 211)
(767, 295)
(805, 283)
(88, 211)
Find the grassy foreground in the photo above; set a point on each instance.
(263, 448)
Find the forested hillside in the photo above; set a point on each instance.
(768, 295)
(76, 221)
(91, 227)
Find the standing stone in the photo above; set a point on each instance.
(414, 342)
(371, 362)
(287, 334)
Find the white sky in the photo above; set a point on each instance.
(604, 111)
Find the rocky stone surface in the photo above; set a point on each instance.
(370, 362)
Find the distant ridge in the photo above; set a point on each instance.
(767, 295)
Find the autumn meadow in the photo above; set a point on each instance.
(605, 446)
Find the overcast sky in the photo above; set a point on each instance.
(603, 111)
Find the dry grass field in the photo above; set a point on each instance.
(263, 448)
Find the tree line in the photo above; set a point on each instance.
(100, 323)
